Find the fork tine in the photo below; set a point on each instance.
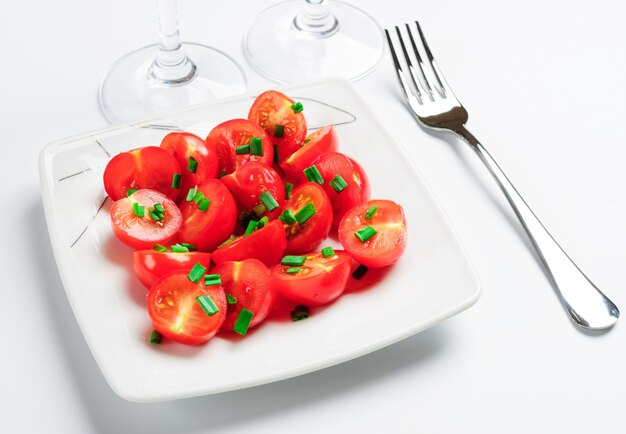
(443, 84)
(404, 85)
(409, 63)
(420, 64)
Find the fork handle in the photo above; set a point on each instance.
(584, 302)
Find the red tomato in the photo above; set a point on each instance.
(186, 146)
(266, 244)
(249, 282)
(208, 229)
(143, 232)
(272, 108)
(176, 313)
(332, 164)
(306, 237)
(250, 181)
(229, 135)
(150, 167)
(389, 242)
(319, 281)
(316, 143)
(150, 265)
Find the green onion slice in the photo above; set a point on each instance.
(293, 260)
(159, 207)
(256, 146)
(197, 198)
(176, 180)
(287, 217)
(297, 107)
(276, 158)
(327, 251)
(156, 216)
(130, 192)
(370, 212)
(299, 312)
(192, 165)
(243, 321)
(359, 272)
(279, 130)
(365, 234)
(243, 149)
(212, 280)
(305, 213)
(196, 272)
(138, 210)
(338, 183)
(313, 175)
(259, 209)
(251, 226)
(288, 188)
(207, 304)
(230, 299)
(262, 222)
(189, 246)
(293, 270)
(204, 204)
(179, 248)
(155, 337)
(268, 200)
(191, 193)
(159, 248)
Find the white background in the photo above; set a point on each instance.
(545, 84)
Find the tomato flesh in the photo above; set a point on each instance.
(177, 315)
(208, 229)
(315, 144)
(143, 232)
(389, 242)
(320, 280)
(266, 244)
(248, 282)
(150, 265)
(150, 167)
(306, 237)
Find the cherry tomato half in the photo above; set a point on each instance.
(150, 167)
(386, 245)
(197, 159)
(134, 224)
(272, 111)
(307, 236)
(266, 244)
(176, 313)
(249, 283)
(318, 281)
(315, 144)
(208, 229)
(150, 265)
(228, 136)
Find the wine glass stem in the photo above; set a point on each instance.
(171, 67)
(316, 20)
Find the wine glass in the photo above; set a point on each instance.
(167, 76)
(304, 39)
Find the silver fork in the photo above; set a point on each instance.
(436, 107)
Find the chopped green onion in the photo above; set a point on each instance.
(130, 192)
(189, 246)
(293, 270)
(156, 216)
(279, 130)
(196, 272)
(159, 207)
(365, 234)
(228, 241)
(179, 248)
(155, 337)
(287, 217)
(204, 204)
(338, 183)
(276, 158)
(268, 200)
(192, 165)
(176, 180)
(207, 304)
(370, 212)
(251, 226)
(259, 209)
(212, 279)
(359, 272)
(138, 210)
(307, 140)
(305, 213)
(313, 175)
(243, 321)
(262, 222)
(243, 149)
(256, 146)
(191, 193)
(293, 260)
(230, 299)
(288, 188)
(299, 312)
(327, 251)
(297, 107)
(159, 248)
(197, 198)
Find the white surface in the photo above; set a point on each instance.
(512, 363)
(432, 281)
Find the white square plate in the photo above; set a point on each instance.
(432, 281)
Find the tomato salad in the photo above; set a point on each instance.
(229, 228)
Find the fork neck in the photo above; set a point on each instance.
(463, 132)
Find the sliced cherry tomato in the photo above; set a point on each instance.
(197, 159)
(315, 144)
(249, 182)
(386, 245)
(150, 265)
(143, 231)
(307, 236)
(207, 229)
(318, 281)
(150, 167)
(249, 283)
(176, 313)
(236, 133)
(266, 244)
(331, 164)
(272, 111)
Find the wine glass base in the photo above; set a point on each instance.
(126, 94)
(278, 50)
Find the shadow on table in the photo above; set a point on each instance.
(110, 413)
